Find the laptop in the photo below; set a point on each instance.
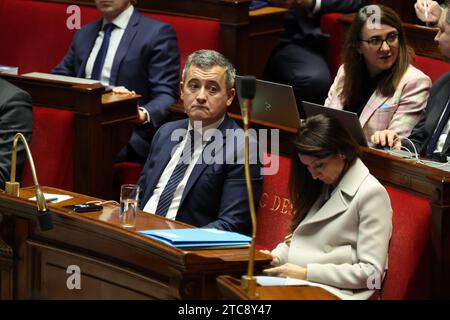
(349, 120)
(273, 103)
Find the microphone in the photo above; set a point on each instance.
(248, 89)
(12, 187)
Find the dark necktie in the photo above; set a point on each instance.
(100, 59)
(437, 133)
(177, 175)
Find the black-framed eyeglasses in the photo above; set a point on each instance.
(377, 42)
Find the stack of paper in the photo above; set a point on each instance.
(9, 70)
(199, 238)
(58, 77)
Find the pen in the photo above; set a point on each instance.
(50, 199)
(425, 4)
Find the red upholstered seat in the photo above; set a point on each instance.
(125, 173)
(43, 26)
(192, 34)
(329, 24)
(275, 207)
(408, 275)
(34, 35)
(432, 67)
(51, 147)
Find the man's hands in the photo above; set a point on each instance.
(307, 4)
(122, 90)
(386, 138)
(142, 116)
(428, 11)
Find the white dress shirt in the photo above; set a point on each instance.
(121, 23)
(152, 203)
(317, 6)
(443, 137)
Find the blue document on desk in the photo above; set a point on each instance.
(199, 238)
(257, 4)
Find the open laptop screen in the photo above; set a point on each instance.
(349, 120)
(273, 103)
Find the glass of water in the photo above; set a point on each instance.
(129, 195)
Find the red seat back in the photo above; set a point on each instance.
(34, 34)
(275, 207)
(432, 67)
(329, 24)
(125, 173)
(41, 26)
(409, 273)
(409, 265)
(192, 34)
(51, 147)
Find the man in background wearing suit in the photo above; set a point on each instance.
(127, 49)
(298, 60)
(430, 136)
(200, 180)
(15, 116)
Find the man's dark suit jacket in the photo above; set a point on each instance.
(15, 116)
(147, 61)
(215, 195)
(423, 131)
(303, 29)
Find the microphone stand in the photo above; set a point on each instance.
(12, 187)
(248, 281)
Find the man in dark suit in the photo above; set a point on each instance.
(200, 180)
(431, 135)
(15, 116)
(127, 49)
(298, 60)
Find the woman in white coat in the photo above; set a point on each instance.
(342, 217)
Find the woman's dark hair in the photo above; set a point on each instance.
(319, 136)
(356, 72)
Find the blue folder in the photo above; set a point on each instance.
(258, 4)
(196, 238)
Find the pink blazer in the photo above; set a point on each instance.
(399, 112)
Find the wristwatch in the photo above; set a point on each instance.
(147, 116)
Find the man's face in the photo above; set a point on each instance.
(112, 8)
(205, 95)
(443, 36)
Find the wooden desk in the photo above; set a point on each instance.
(115, 263)
(102, 126)
(230, 288)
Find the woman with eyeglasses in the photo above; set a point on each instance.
(341, 225)
(376, 80)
